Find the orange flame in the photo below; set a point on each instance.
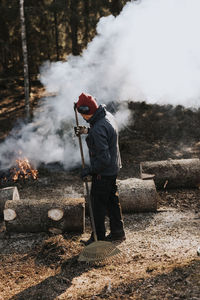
(24, 170)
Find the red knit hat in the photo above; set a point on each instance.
(89, 101)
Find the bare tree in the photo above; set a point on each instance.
(74, 24)
(86, 20)
(25, 57)
(55, 13)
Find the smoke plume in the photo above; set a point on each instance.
(150, 52)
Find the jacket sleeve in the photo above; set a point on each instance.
(101, 158)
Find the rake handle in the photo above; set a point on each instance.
(86, 183)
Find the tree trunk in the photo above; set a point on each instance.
(86, 21)
(25, 56)
(137, 195)
(56, 32)
(64, 215)
(8, 193)
(174, 173)
(74, 21)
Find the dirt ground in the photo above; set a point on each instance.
(159, 257)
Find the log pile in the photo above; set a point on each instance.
(179, 173)
(27, 215)
(68, 215)
(8, 193)
(137, 195)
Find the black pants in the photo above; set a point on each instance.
(105, 200)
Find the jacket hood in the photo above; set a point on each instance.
(99, 114)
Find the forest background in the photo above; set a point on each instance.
(54, 29)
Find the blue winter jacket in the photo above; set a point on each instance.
(102, 142)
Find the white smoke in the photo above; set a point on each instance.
(150, 52)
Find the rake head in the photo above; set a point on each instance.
(98, 251)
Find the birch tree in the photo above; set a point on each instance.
(25, 58)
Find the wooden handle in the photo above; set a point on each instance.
(79, 137)
(86, 183)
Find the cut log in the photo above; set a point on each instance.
(137, 195)
(9, 214)
(55, 214)
(8, 193)
(61, 215)
(174, 173)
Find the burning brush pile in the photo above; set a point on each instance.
(22, 170)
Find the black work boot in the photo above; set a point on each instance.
(116, 236)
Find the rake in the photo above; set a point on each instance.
(97, 251)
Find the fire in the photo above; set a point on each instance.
(23, 170)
